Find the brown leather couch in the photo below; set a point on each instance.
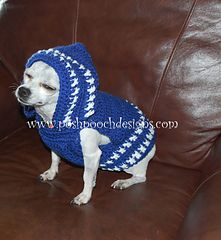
(162, 55)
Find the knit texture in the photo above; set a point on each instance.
(80, 101)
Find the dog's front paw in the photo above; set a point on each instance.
(82, 198)
(47, 175)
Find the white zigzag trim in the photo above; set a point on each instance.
(115, 156)
(109, 169)
(67, 119)
(151, 129)
(142, 148)
(131, 160)
(133, 138)
(146, 143)
(109, 162)
(88, 114)
(81, 66)
(116, 169)
(91, 98)
(124, 166)
(90, 105)
(89, 109)
(87, 73)
(127, 144)
(138, 131)
(149, 136)
(91, 89)
(136, 155)
(90, 81)
(121, 150)
(75, 82)
(74, 100)
(76, 91)
(73, 74)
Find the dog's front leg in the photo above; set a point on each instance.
(90, 140)
(53, 170)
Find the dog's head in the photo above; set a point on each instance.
(58, 82)
(40, 86)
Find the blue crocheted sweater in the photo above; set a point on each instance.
(80, 104)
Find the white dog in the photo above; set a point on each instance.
(40, 89)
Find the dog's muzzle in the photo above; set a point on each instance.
(24, 93)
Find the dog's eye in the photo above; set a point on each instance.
(48, 87)
(28, 75)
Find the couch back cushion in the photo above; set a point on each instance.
(161, 55)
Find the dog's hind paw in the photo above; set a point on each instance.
(125, 183)
(82, 198)
(120, 184)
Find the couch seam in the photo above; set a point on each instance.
(196, 191)
(170, 58)
(7, 66)
(204, 182)
(11, 134)
(75, 23)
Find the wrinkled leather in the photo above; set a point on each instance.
(190, 90)
(162, 55)
(203, 218)
(10, 116)
(30, 209)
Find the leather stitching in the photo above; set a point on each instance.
(158, 91)
(75, 23)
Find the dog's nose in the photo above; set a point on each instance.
(24, 93)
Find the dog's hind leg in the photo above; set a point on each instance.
(138, 172)
(53, 170)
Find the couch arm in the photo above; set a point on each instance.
(11, 118)
(203, 221)
(212, 165)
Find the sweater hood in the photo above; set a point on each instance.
(78, 81)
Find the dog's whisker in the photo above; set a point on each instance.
(13, 86)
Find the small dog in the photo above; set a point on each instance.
(62, 82)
